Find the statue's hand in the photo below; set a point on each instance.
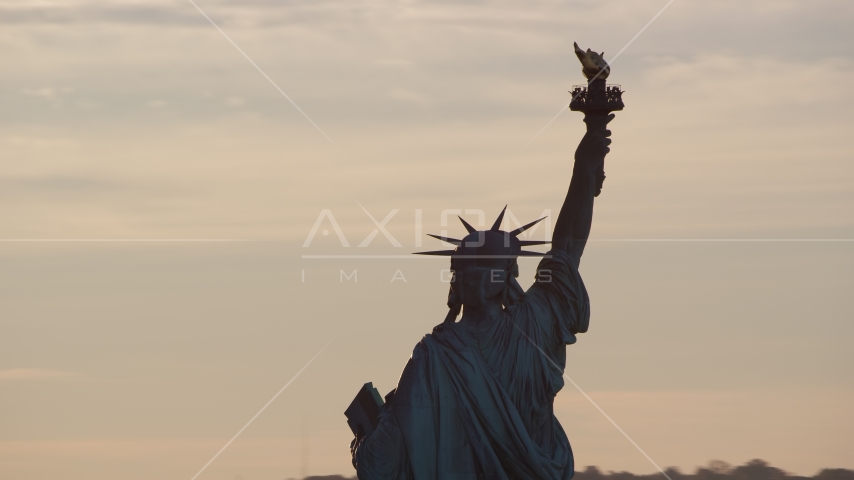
(598, 120)
(593, 147)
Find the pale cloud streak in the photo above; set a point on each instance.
(12, 374)
(262, 72)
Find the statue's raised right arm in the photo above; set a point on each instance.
(573, 223)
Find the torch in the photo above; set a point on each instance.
(596, 97)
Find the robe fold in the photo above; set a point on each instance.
(477, 403)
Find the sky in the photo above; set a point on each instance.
(160, 283)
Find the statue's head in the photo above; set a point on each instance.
(484, 267)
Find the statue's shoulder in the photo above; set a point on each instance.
(445, 334)
(438, 329)
(428, 341)
(435, 343)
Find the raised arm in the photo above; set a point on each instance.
(573, 223)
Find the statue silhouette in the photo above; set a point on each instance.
(475, 400)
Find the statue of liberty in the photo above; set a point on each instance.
(475, 400)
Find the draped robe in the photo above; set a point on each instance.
(477, 403)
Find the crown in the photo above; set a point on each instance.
(492, 243)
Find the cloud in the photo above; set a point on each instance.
(235, 101)
(396, 63)
(77, 12)
(41, 184)
(47, 93)
(408, 96)
(737, 80)
(12, 374)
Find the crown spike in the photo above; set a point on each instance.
(497, 225)
(442, 253)
(453, 241)
(525, 227)
(528, 243)
(466, 224)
